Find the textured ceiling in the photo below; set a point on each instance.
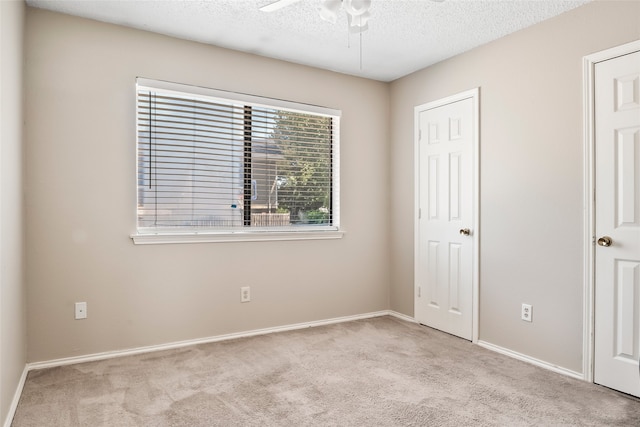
(403, 36)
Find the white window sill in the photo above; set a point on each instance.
(238, 236)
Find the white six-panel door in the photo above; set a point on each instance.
(445, 233)
(617, 223)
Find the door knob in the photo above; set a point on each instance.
(605, 241)
(465, 231)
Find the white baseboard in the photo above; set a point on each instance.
(531, 360)
(179, 344)
(401, 316)
(16, 397)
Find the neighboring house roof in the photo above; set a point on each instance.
(265, 147)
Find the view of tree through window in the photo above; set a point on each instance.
(305, 167)
(219, 164)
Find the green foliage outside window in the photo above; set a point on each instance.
(305, 187)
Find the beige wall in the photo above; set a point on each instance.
(80, 199)
(13, 338)
(531, 248)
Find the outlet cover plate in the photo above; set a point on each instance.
(245, 294)
(81, 310)
(527, 313)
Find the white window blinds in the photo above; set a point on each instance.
(233, 162)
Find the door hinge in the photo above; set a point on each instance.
(419, 134)
(419, 213)
(419, 291)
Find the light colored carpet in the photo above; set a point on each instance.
(376, 372)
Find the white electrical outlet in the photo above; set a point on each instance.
(527, 312)
(245, 294)
(81, 310)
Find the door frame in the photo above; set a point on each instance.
(474, 95)
(588, 78)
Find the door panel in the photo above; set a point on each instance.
(617, 216)
(444, 270)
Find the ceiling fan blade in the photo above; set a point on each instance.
(277, 5)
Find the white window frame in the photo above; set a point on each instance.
(162, 236)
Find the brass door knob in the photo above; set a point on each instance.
(465, 231)
(605, 241)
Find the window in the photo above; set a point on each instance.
(224, 165)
